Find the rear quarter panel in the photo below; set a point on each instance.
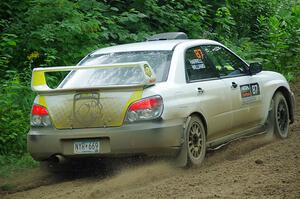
(175, 107)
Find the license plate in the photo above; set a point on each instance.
(86, 147)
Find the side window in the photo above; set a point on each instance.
(198, 66)
(226, 63)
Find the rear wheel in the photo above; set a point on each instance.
(196, 142)
(280, 111)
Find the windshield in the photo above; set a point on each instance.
(158, 60)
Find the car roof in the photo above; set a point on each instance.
(161, 45)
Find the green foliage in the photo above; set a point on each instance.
(56, 32)
(223, 24)
(277, 45)
(246, 14)
(15, 104)
(267, 32)
(10, 164)
(283, 34)
(38, 33)
(65, 31)
(7, 44)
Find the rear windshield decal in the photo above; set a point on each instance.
(197, 64)
(198, 53)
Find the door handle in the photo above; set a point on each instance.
(234, 85)
(200, 90)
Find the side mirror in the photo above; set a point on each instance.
(255, 68)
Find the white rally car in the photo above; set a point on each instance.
(167, 96)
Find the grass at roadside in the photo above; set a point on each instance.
(11, 164)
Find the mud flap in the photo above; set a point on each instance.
(270, 119)
(181, 159)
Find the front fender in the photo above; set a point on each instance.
(274, 82)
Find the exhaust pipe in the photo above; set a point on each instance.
(58, 159)
(61, 159)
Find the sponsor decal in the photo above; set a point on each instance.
(147, 70)
(197, 64)
(245, 91)
(215, 49)
(249, 91)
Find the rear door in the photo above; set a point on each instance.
(209, 93)
(243, 89)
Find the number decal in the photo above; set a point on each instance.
(249, 92)
(255, 89)
(198, 53)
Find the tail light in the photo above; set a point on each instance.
(39, 116)
(145, 109)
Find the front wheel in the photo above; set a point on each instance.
(196, 142)
(281, 117)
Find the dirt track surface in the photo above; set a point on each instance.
(257, 167)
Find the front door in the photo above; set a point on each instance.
(243, 89)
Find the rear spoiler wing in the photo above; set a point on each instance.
(39, 84)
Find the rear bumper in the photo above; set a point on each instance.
(150, 138)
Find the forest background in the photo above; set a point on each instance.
(41, 33)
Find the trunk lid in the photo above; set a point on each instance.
(88, 109)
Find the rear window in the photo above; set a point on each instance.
(158, 60)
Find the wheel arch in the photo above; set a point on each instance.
(287, 96)
(202, 118)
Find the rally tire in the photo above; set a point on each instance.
(280, 111)
(196, 142)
